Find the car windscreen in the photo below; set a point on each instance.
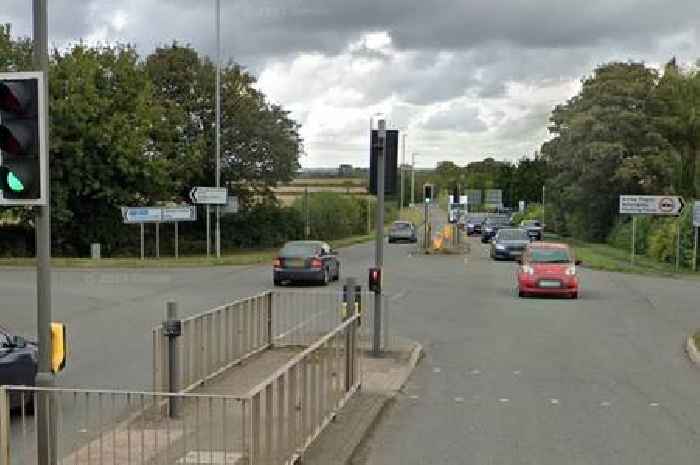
(299, 250)
(531, 223)
(512, 235)
(549, 255)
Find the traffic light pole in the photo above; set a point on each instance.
(379, 252)
(46, 450)
(218, 125)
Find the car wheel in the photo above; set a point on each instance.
(337, 273)
(522, 294)
(276, 282)
(574, 295)
(326, 277)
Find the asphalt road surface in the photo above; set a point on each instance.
(599, 380)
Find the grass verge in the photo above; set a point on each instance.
(238, 258)
(697, 339)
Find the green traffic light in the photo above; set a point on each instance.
(14, 183)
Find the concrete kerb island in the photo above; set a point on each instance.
(693, 350)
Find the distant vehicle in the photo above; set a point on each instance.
(509, 244)
(548, 269)
(18, 364)
(490, 227)
(533, 227)
(307, 261)
(402, 231)
(473, 224)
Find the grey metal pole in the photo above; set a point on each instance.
(544, 216)
(678, 244)
(46, 426)
(379, 252)
(218, 124)
(172, 330)
(403, 162)
(307, 222)
(157, 240)
(369, 215)
(208, 231)
(143, 247)
(695, 247)
(177, 244)
(634, 239)
(413, 179)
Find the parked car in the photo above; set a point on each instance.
(309, 261)
(509, 244)
(490, 227)
(548, 269)
(533, 228)
(18, 364)
(402, 231)
(473, 225)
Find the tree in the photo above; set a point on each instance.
(605, 144)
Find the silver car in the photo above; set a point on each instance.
(402, 231)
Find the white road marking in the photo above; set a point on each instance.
(653, 404)
(504, 400)
(554, 401)
(398, 296)
(516, 372)
(605, 404)
(436, 370)
(459, 400)
(475, 372)
(414, 397)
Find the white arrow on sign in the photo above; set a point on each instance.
(671, 205)
(209, 195)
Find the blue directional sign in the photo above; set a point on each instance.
(142, 214)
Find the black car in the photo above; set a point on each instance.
(509, 244)
(18, 363)
(473, 225)
(533, 228)
(491, 226)
(308, 261)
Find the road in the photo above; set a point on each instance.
(600, 380)
(505, 380)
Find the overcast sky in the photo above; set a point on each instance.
(463, 78)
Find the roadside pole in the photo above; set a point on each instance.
(208, 231)
(634, 238)
(413, 179)
(45, 421)
(307, 223)
(218, 125)
(678, 243)
(143, 247)
(379, 252)
(695, 248)
(403, 162)
(157, 240)
(177, 245)
(369, 215)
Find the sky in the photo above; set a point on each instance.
(462, 79)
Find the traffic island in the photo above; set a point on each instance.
(382, 379)
(693, 348)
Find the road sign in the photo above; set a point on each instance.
(133, 215)
(521, 206)
(232, 206)
(669, 205)
(493, 198)
(209, 195)
(183, 213)
(696, 213)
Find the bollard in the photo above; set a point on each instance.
(172, 329)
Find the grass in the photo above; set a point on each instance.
(238, 258)
(608, 258)
(697, 339)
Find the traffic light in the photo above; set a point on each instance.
(22, 139)
(391, 161)
(375, 280)
(428, 192)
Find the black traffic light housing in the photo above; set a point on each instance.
(428, 193)
(22, 139)
(375, 280)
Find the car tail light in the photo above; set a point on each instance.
(571, 271)
(316, 263)
(277, 263)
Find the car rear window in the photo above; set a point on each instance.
(531, 223)
(299, 250)
(513, 235)
(549, 255)
(402, 226)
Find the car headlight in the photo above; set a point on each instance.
(571, 271)
(500, 247)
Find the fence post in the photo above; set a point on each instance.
(172, 329)
(269, 319)
(4, 426)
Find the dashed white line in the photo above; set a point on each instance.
(459, 400)
(504, 400)
(436, 370)
(554, 401)
(653, 404)
(605, 404)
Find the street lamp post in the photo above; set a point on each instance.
(413, 178)
(403, 162)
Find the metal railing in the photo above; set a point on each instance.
(122, 428)
(213, 341)
(290, 409)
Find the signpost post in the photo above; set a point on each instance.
(157, 215)
(660, 205)
(696, 225)
(208, 196)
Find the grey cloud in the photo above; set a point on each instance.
(456, 118)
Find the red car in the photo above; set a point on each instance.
(548, 269)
